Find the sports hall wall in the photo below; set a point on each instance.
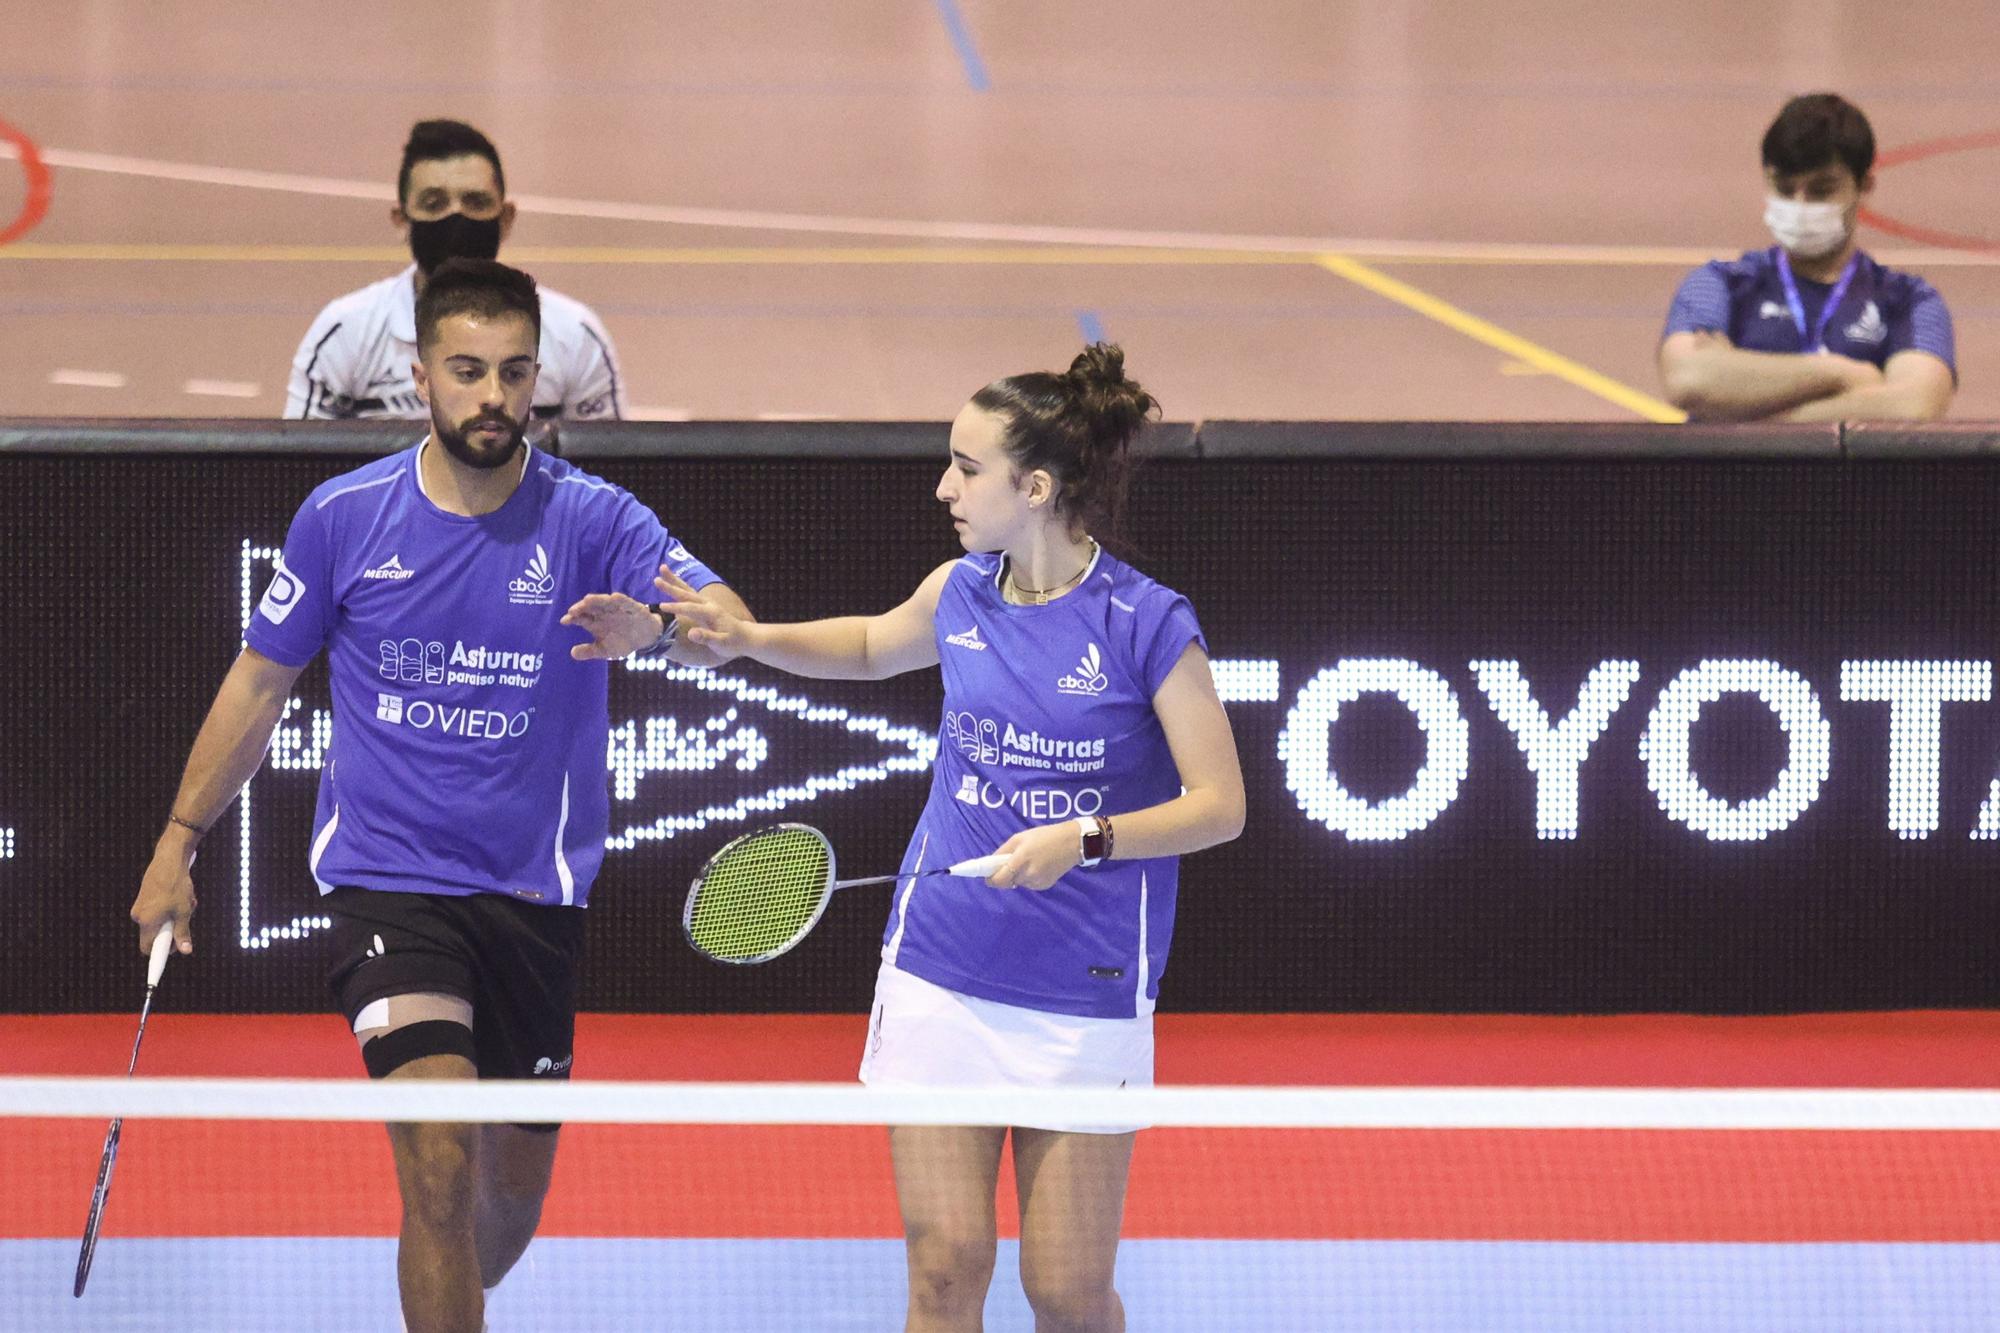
(1534, 719)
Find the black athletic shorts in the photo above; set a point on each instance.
(515, 963)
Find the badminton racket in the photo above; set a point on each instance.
(163, 944)
(764, 892)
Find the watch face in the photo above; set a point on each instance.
(1093, 841)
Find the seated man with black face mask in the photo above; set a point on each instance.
(451, 196)
(1811, 329)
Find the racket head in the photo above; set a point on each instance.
(97, 1198)
(760, 895)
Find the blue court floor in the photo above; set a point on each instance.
(292, 1285)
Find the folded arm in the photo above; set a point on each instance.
(1916, 386)
(1711, 379)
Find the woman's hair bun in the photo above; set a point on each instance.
(1115, 407)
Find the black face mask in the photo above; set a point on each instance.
(453, 236)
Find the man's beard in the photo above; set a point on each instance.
(457, 442)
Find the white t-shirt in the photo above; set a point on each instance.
(355, 360)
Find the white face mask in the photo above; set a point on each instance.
(1806, 230)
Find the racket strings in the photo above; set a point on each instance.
(760, 893)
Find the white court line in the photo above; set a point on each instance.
(795, 416)
(1890, 1110)
(220, 388)
(1015, 233)
(284, 182)
(88, 379)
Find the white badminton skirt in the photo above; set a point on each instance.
(922, 1035)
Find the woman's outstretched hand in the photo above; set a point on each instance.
(722, 632)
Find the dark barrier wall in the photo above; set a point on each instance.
(1530, 723)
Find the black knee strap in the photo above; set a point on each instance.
(385, 1054)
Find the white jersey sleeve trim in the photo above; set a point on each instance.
(563, 875)
(319, 849)
(357, 486)
(895, 944)
(1141, 1004)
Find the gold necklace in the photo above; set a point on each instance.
(1042, 595)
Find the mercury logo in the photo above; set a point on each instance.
(392, 569)
(967, 638)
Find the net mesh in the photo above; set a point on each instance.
(759, 893)
(272, 1205)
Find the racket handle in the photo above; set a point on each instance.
(979, 867)
(163, 945)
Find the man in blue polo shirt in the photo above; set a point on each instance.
(1811, 329)
(466, 592)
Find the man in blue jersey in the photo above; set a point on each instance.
(1811, 329)
(463, 806)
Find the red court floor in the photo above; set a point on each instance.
(237, 1178)
(1911, 1049)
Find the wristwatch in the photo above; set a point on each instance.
(1094, 839)
(670, 629)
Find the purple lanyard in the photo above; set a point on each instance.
(1817, 342)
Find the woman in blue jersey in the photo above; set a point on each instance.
(1082, 738)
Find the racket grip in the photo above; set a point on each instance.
(979, 867)
(163, 945)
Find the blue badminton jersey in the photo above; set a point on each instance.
(1048, 715)
(468, 749)
(1881, 312)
